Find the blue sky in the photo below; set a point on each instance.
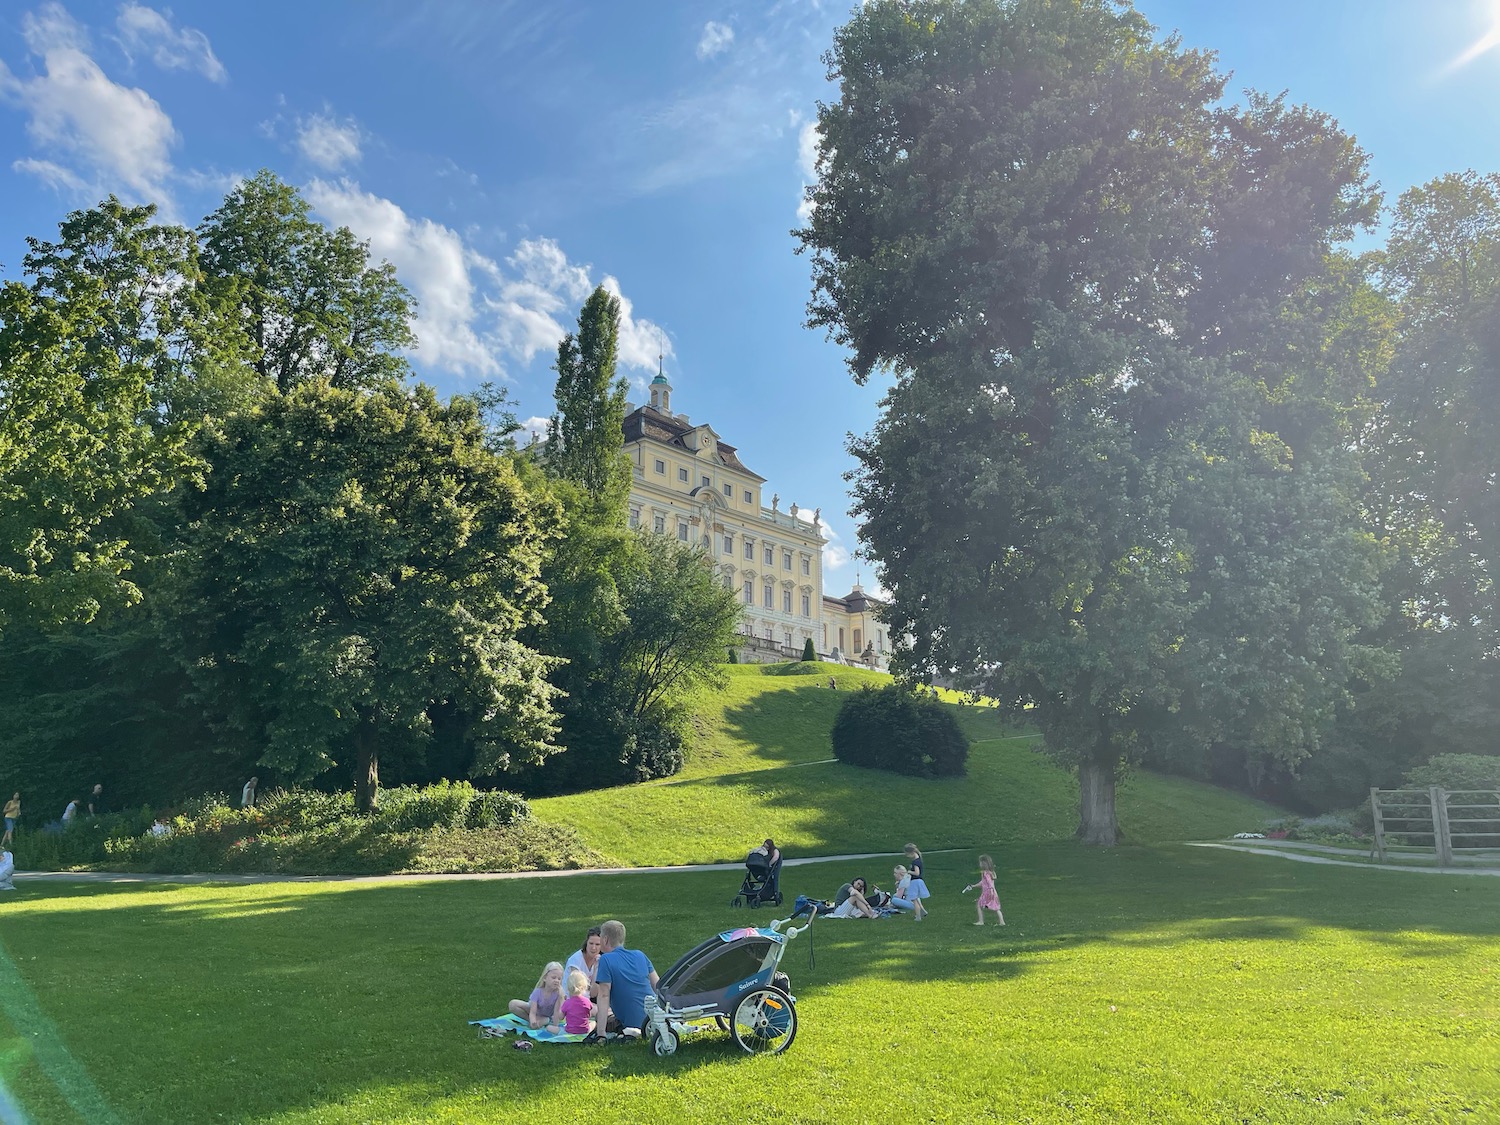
(509, 155)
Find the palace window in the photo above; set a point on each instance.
(749, 497)
(729, 582)
(769, 635)
(661, 466)
(635, 517)
(682, 530)
(786, 560)
(806, 605)
(706, 482)
(788, 639)
(770, 596)
(786, 601)
(750, 549)
(729, 490)
(729, 544)
(806, 565)
(682, 475)
(661, 525)
(749, 591)
(770, 556)
(858, 648)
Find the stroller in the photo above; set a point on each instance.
(734, 980)
(762, 882)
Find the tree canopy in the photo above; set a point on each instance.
(1106, 486)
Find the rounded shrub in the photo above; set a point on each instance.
(891, 728)
(1457, 771)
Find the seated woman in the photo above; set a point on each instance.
(586, 959)
(851, 902)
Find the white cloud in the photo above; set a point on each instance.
(807, 161)
(473, 313)
(328, 143)
(94, 133)
(430, 259)
(532, 429)
(835, 555)
(144, 30)
(641, 341)
(715, 39)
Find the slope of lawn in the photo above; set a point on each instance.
(1161, 984)
(761, 768)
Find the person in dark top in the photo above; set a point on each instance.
(96, 801)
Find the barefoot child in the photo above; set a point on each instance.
(988, 899)
(916, 890)
(578, 1009)
(546, 999)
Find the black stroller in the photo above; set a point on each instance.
(762, 881)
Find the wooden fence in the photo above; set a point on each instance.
(1450, 824)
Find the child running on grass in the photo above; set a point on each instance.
(578, 1009)
(988, 898)
(916, 890)
(546, 999)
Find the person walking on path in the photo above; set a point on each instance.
(96, 801)
(12, 814)
(625, 977)
(247, 794)
(988, 899)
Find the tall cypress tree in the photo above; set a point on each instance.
(585, 442)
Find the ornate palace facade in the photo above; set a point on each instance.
(689, 483)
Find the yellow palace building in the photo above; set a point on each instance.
(689, 483)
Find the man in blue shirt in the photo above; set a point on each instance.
(624, 977)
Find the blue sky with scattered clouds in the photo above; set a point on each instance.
(507, 156)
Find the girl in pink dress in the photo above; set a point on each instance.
(988, 899)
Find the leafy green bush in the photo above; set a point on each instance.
(894, 729)
(1457, 771)
(298, 810)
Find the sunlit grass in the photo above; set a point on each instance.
(762, 770)
(1143, 984)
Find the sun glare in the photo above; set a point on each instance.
(1489, 11)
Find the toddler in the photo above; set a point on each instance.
(578, 1008)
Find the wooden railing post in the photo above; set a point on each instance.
(1379, 824)
(1441, 840)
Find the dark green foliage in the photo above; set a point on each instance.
(734, 655)
(358, 558)
(809, 654)
(894, 728)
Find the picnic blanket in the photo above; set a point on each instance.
(507, 1024)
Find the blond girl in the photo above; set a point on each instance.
(546, 999)
(988, 898)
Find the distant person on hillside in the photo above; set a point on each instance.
(247, 794)
(69, 813)
(7, 869)
(96, 801)
(12, 813)
(625, 978)
(833, 683)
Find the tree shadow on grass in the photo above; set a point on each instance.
(322, 994)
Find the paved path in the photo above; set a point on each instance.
(1302, 858)
(134, 877)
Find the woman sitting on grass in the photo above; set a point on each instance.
(585, 959)
(851, 903)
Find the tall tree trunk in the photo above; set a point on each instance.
(366, 766)
(1097, 823)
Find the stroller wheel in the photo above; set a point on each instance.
(735, 901)
(755, 904)
(664, 1044)
(723, 1022)
(764, 1021)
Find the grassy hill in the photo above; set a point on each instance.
(762, 768)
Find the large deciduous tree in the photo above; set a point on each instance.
(307, 297)
(1108, 486)
(107, 359)
(585, 443)
(360, 558)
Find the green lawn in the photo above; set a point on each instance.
(1141, 984)
(761, 769)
